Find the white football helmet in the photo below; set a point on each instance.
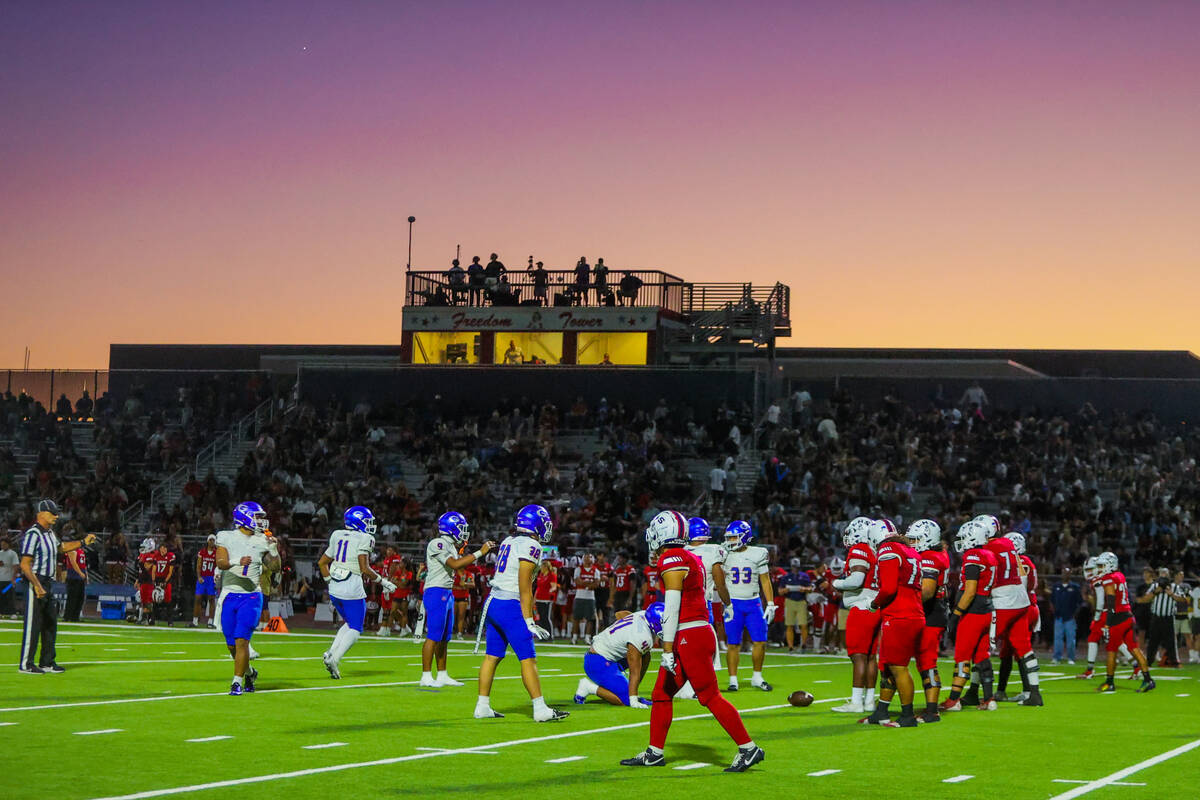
(990, 524)
(1107, 562)
(159, 594)
(1018, 540)
(970, 535)
(148, 545)
(667, 527)
(856, 531)
(925, 533)
(837, 564)
(880, 529)
(1089, 568)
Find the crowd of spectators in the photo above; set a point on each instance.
(493, 284)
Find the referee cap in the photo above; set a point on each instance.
(49, 507)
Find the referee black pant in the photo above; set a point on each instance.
(41, 623)
(1162, 634)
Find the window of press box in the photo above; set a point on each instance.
(534, 347)
(435, 347)
(621, 348)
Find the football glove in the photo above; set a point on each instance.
(637, 702)
(727, 614)
(952, 626)
(539, 633)
(667, 662)
(769, 612)
(387, 585)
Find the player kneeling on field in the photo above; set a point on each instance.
(622, 646)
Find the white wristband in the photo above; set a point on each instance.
(478, 554)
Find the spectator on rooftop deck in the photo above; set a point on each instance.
(629, 287)
(541, 281)
(492, 273)
(600, 271)
(456, 276)
(475, 281)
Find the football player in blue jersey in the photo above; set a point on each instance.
(616, 662)
(508, 615)
(441, 560)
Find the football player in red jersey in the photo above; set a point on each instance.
(1010, 599)
(689, 645)
(206, 567)
(1119, 621)
(623, 576)
(935, 568)
(858, 585)
(971, 619)
(1031, 623)
(903, 612)
(1098, 632)
(649, 586)
(162, 569)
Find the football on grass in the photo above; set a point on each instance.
(800, 698)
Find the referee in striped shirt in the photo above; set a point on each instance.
(40, 549)
(1163, 595)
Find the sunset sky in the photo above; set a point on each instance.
(922, 174)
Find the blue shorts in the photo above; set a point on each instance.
(206, 587)
(239, 615)
(747, 614)
(439, 614)
(353, 611)
(607, 675)
(710, 617)
(506, 628)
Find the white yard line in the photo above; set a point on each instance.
(565, 759)
(1108, 780)
(324, 746)
(400, 759)
(446, 749)
(820, 773)
(122, 701)
(1114, 783)
(97, 733)
(958, 779)
(210, 739)
(697, 765)
(2, 724)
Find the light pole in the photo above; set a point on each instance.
(408, 266)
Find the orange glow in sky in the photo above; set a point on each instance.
(921, 174)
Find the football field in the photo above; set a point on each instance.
(143, 712)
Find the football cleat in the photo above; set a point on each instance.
(212, 625)
(428, 683)
(1033, 698)
(990, 705)
(54, 668)
(332, 666)
(929, 715)
(733, 687)
(1087, 673)
(909, 721)
(192, 625)
(746, 758)
(489, 714)
(1002, 696)
(445, 680)
(235, 690)
(971, 696)
(251, 677)
(875, 720)
(1106, 687)
(849, 707)
(1137, 672)
(951, 705)
(1146, 686)
(645, 759)
(554, 715)
(30, 669)
(766, 687)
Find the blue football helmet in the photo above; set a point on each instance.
(654, 614)
(535, 521)
(454, 525)
(698, 529)
(738, 533)
(359, 518)
(250, 515)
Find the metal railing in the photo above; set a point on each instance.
(137, 516)
(621, 287)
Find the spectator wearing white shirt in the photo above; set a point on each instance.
(376, 435)
(801, 408)
(716, 486)
(827, 430)
(8, 570)
(974, 396)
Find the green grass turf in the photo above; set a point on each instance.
(1015, 752)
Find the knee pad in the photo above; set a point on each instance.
(887, 681)
(1030, 663)
(961, 670)
(931, 679)
(985, 670)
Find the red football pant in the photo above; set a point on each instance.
(1012, 628)
(862, 626)
(899, 641)
(928, 653)
(1096, 632)
(694, 651)
(1031, 619)
(1121, 634)
(971, 640)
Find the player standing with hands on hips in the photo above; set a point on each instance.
(508, 613)
(343, 564)
(689, 643)
(241, 555)
(40, 549)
